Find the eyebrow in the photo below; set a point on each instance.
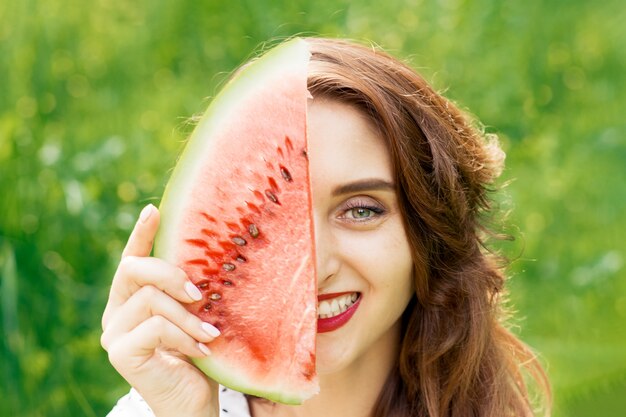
(363, 185)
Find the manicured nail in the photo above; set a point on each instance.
(210, 329)
(204, 349)
(193, 291)
(146, 213)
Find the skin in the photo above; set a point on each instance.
(361, 246)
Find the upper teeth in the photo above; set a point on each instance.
(331, 308)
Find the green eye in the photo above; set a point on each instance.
(361, 210)
(361, 213)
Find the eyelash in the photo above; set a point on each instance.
(355, 204)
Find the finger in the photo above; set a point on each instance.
(148, 302)
(135, 272)
(142, 237)
(132, 350)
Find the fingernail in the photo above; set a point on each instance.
(193, 291)
(210, 329)
(204, 349)
(146, 213)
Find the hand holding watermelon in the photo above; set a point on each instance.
(149, 334)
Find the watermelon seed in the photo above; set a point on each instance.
(203, 285)
(258, 195)
(226, 245)
(241, 258)
(227, 283)
(271, 196)
(228, 267)
(211, 271)
(232, 226)
(306, 156)
(286, 174)
(198, 262)
(253, 207)
(238, 240)
(273, 184)
(208, 217)
(288, 143)
(215, 296)
(254, 231)
(207, 307)
(209, 233)
(197, 242)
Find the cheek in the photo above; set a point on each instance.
(383, 259)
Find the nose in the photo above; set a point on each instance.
(327, 259)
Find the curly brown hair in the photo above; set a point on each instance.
(457, 358)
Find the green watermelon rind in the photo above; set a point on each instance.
(291, 54)
(222, 375)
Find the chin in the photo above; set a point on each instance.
(332, 355)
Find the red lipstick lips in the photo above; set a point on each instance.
(333, 323)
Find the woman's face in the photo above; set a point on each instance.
(364, 263)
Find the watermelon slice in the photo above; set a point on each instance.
(236, 216)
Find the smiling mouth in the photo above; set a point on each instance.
(332, 307)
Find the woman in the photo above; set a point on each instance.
(400, 180)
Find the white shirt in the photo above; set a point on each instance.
(232, 404)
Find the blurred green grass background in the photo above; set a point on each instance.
(94, 98)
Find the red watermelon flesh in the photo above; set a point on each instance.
(236, 216)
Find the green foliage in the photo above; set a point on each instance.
(95, 98)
